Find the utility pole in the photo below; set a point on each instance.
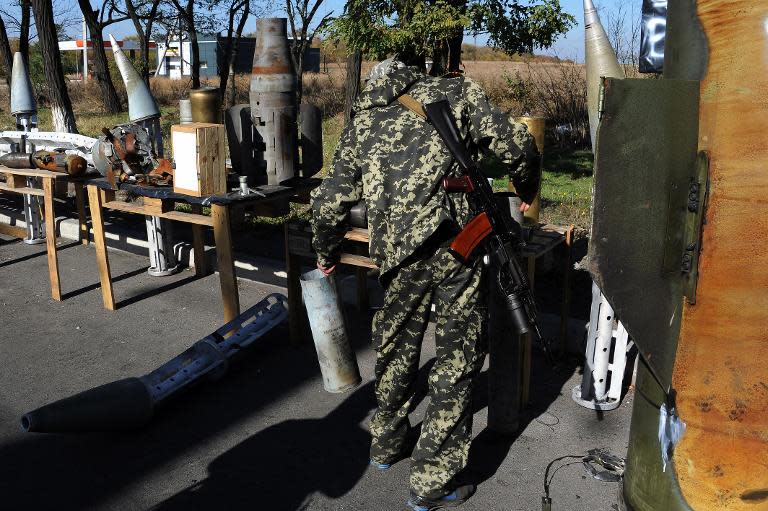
(85, 51)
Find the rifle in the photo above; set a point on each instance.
(494, 229)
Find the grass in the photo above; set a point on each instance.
(565, 190)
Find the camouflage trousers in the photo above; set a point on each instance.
(398, 328)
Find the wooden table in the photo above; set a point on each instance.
(16, 182)
(298, 247)
(160, 202)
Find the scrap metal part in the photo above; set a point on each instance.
(125, 153)
(131, 403)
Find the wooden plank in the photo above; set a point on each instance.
(13, 230)
(81, 218)
(223, 237)
(102, 259)
(50, 239)
(24, 190)
(358, 234)
(198, 244)
(15, 181)
(178, 216)
(357, 260)
(155, 206)
(34, 173)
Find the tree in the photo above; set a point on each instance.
(6, 59)
(415, 29)
(97, 22)
(17, 17)
(235, 28)
(186, 15)
(301, 15)
(61, 105)
(143, 14)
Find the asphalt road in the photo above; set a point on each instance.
(266, 437)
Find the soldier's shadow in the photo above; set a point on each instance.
(281, 466)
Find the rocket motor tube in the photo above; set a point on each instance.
(338, 364)
(71, 164)
(120, 405)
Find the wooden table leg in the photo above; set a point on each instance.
(50, 239)
(295, 307)
(526, 340)
(198, 244)
(565, 309)
(102, 259)
(361, 278)
(81, 218)
(223, 237)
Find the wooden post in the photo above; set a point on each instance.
(198, 244)
(102, 259)
(295, 306)
(50, 239)
(565, 310)
(223, 237)
(81, 217)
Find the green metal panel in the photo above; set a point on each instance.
(644, 165)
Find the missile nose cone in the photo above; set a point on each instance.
(22, 97)
(141, 103)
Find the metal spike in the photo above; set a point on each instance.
(141, 103)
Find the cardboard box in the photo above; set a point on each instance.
(200, 158)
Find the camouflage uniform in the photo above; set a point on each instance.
(395, 160)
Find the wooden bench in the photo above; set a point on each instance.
(16, 183)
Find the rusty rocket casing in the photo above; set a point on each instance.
(601, 61)
(141, 103)
(22, 96)
(273, 99)
(71, 164)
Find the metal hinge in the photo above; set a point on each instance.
(698, 190)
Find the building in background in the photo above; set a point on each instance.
(174, 59)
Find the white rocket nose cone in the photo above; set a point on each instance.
(141, 103)
(22, 97)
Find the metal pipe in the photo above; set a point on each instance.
(130, 403)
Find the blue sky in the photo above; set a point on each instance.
(571, 45)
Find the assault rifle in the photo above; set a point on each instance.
(490, 226)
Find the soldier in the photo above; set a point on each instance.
(391, 157)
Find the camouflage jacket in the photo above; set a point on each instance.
(396, 161)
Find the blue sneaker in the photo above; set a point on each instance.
(381, 466)
(452, 499)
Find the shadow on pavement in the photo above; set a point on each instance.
(97, 285)
(52, 471)
(279, 467)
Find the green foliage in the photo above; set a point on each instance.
(518, 27)
(381, 28)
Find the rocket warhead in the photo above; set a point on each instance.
(22, 96)
(601, 61)
(141, 103)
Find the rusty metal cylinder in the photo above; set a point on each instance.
(206, 105)
(536, 126)
(273, 99)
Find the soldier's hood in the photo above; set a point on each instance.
(387, 88)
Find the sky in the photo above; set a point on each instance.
(570, 46)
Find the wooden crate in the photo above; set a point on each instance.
(199, 154)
